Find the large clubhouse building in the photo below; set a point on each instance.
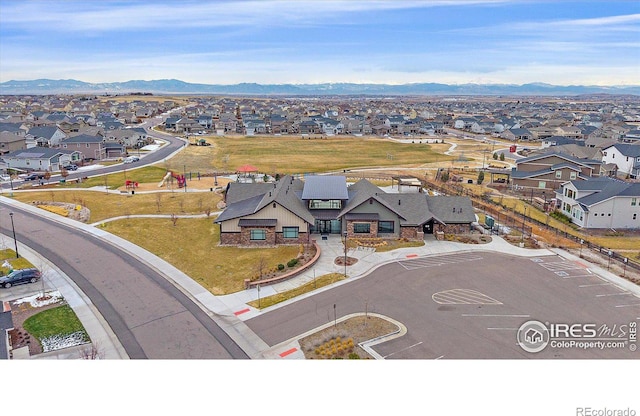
(290, 211)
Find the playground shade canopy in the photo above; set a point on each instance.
(247, 169)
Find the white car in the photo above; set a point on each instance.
(5, 178)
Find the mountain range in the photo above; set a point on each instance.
(174, 86)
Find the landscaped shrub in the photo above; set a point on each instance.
(280, 266)
(292, 262)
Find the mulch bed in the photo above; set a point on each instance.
(19, 336)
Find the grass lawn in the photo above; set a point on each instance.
(286, 155)
(10, 256)
(103, 205)
(57, 321)
(145, 174)
(320, 281)
(192, 246)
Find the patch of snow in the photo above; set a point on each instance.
(54, 297)
(58, 342)
(150, 147)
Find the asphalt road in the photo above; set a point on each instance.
(467, 306)
(151, 317)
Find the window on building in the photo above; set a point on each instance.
(385, 226)
(258, 235)
(558, 174)
(361, 227)
(572, 175)
(634, 202)
(290, 232)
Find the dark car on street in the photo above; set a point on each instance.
(19, 277)
(34, 176)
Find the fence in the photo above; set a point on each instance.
(516, 221)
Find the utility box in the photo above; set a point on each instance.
(489, 221)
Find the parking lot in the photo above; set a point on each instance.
(471, 305)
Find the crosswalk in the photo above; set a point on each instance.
(436, 261)
(463, 297)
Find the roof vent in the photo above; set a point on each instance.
(399, 201)
(269, 194)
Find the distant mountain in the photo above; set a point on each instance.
(174, 86)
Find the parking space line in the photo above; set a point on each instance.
(596, 284)
(404, 349)
(497, 316)
(614, 294)
(577, 275)
(624, 306)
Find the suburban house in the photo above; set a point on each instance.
(291, 210)
(515, 135)
(10, 142)
(626, 157)
(601, 203)
(41, 159)
(550, 170)
(91, 147)
(46, 136)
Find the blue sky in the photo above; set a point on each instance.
(277, 42)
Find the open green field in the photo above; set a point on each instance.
(192, 246)
(147, 174)
(286, 155)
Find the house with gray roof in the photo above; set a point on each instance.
(91, 147)
(550, 170)
(601, 203)
(41, 159)
(626, 156)
(290, 211)
(46, 136)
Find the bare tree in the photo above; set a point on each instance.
(91, 352)
(207, 211)
(174, 219)
(260, 266)
(158, 200)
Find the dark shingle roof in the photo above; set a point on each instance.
(325, 187)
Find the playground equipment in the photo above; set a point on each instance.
(180, 179)
(130, 184)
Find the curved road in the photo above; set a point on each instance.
(151, 317)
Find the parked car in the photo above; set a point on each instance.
(34, 176)
(5, 178)
(19, 277)
(130, 159)
(71, 167)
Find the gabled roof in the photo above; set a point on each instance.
(84, 138)
(573, 159)
(627, 149)
(245, 199)
(37, 153)
(43, 131)
(604, 188)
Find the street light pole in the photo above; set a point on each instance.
(14, 235)
(184, 175)
(345, 254)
